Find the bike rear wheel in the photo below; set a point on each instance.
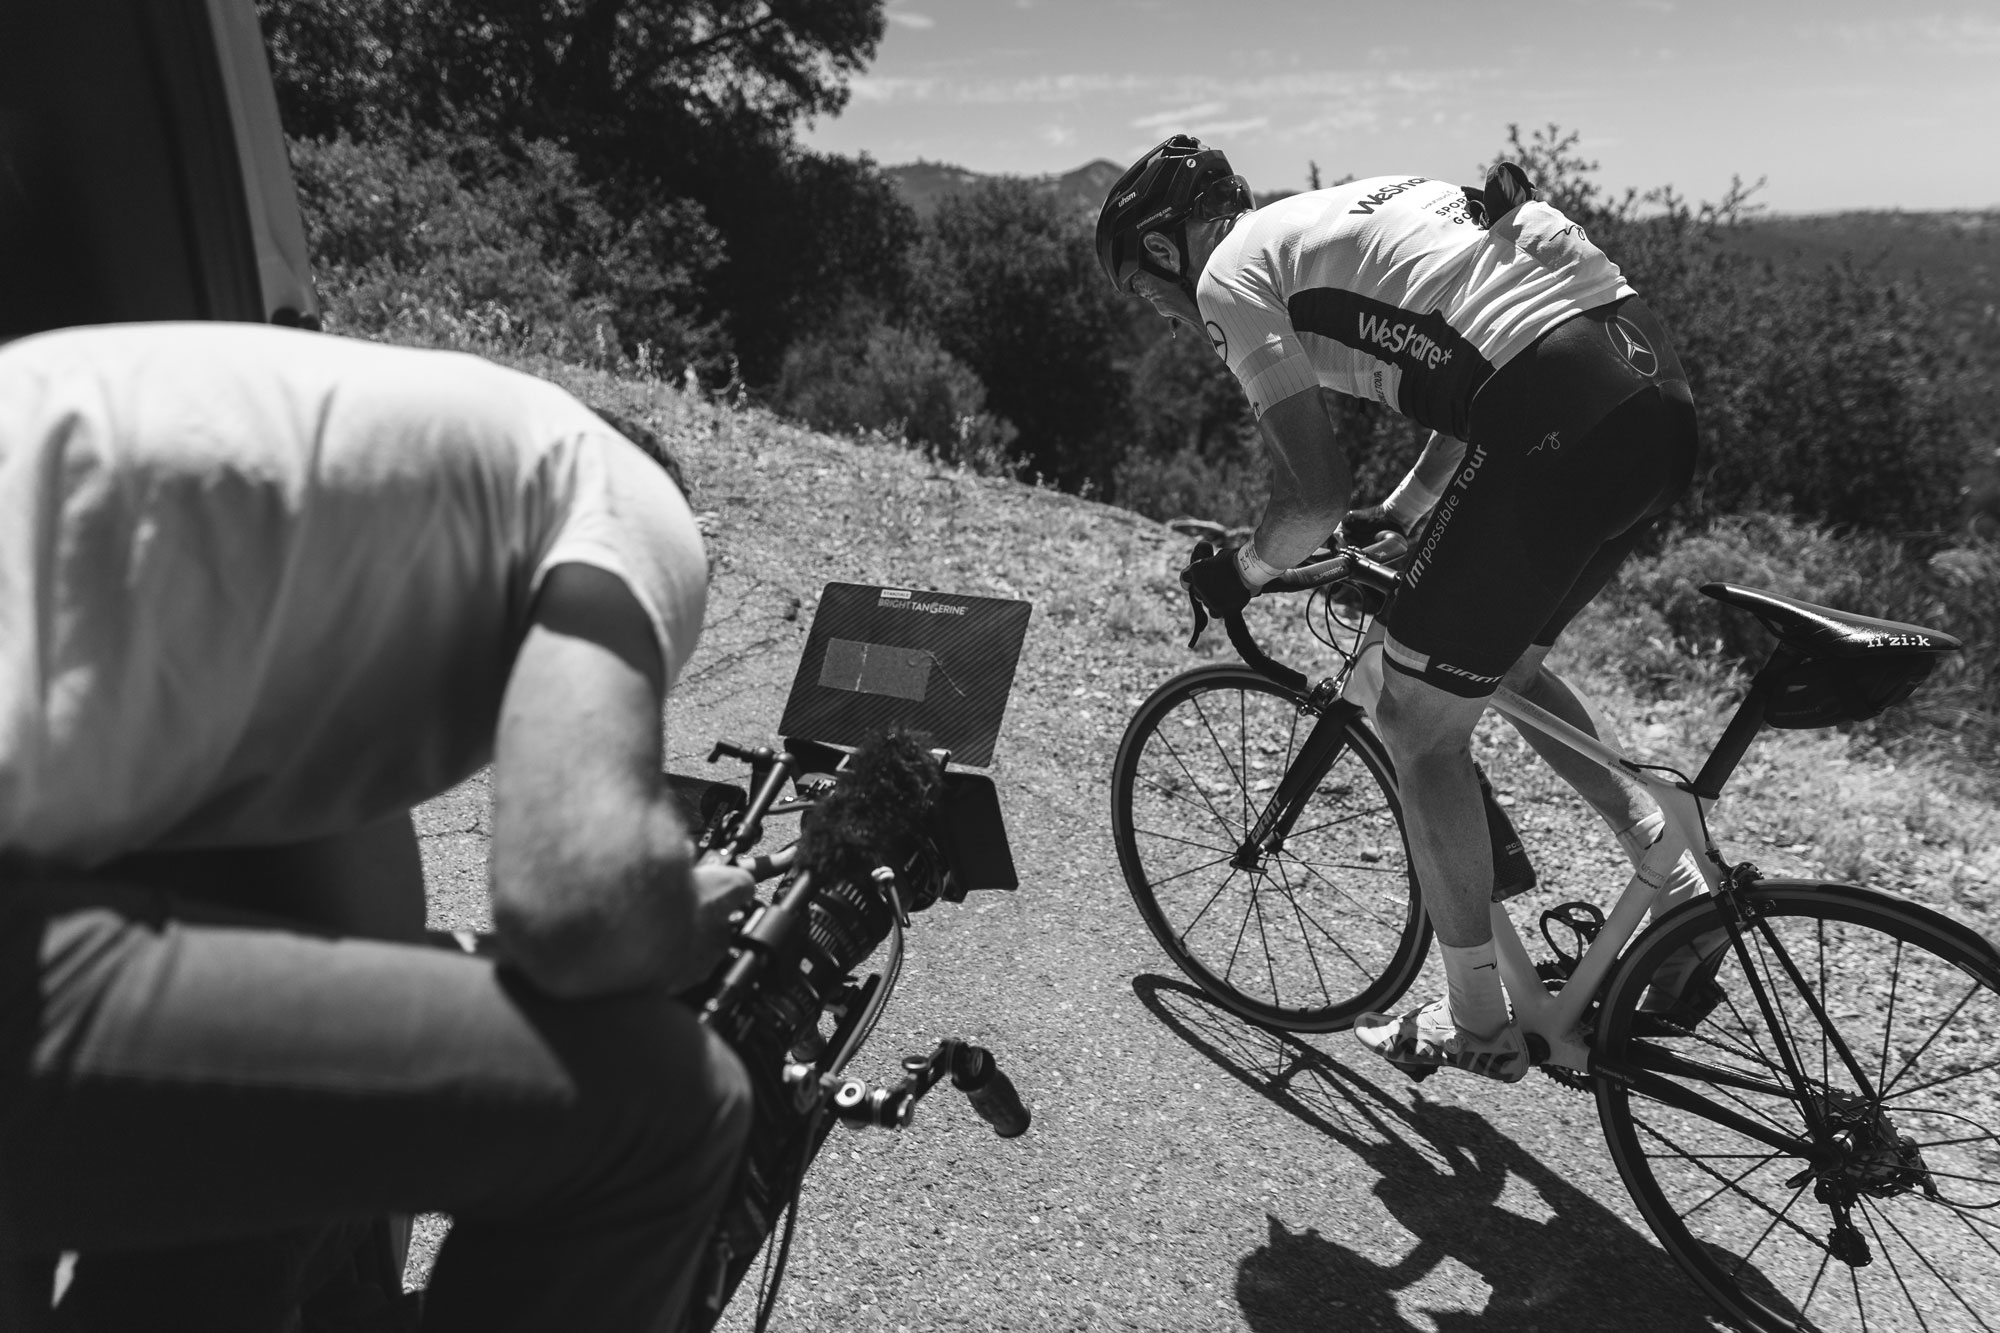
(1861, 1028)
(1305, 933)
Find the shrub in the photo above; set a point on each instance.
(1007, 280)
(460, 241)
(1957, 591)
(1830, 396)
(897, 381)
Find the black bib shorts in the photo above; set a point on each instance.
(1578, 445)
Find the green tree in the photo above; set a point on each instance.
(1823, 395)
(1008, 281)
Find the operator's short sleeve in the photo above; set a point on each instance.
(259, 585)
(1251, 331)
(627, 518)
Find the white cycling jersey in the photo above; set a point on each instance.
(1387, 289)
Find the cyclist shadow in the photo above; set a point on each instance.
(1441, 1171)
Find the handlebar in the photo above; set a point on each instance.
(1347, 564)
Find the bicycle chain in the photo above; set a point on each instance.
(1557, 1074)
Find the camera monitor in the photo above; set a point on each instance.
(931, 662)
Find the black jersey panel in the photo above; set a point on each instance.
(1441, 370)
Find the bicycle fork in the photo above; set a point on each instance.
(1267, 833)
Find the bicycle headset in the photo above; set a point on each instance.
(1178, 180)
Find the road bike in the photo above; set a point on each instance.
(1813, 1133)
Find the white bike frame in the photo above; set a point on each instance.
(1554, 1018)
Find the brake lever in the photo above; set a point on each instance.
(1201, 551)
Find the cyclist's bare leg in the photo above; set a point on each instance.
(1428, 733)
(1621, 801)
(1634, 817)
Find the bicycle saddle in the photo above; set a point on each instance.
(1827, 632)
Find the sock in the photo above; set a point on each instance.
(1472, 988)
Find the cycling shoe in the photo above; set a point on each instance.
(1426, 1040)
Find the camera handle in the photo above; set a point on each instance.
(973, 1072)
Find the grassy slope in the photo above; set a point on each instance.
(1184, 1172)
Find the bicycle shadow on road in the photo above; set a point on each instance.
(1441, 1171)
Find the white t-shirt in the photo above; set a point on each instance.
(260, 585)
(1386, 289)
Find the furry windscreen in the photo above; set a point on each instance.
(876, 812)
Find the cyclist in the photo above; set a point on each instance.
(1562, 428)
(262, 591)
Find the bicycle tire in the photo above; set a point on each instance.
(1913, 999)
(1345, 930)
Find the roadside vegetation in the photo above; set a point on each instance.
(617, 185)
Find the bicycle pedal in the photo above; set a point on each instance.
(1417, 1073)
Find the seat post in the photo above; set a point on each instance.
(1744, 726)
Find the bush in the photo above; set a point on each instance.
(1008, 282)
(462, 241)
(1828, 396)
(1957, 591)
(902, 383)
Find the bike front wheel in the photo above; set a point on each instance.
(1311, 926)
(1821, 1149)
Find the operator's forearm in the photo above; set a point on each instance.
(591, 868)
(605, 906)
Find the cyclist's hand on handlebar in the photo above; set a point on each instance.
(1379, 533)
(1215, 582)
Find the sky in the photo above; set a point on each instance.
(1837, 104)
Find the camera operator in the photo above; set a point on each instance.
(262, 592)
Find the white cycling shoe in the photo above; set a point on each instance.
(1425, 1040)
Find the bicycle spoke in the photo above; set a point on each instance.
(1937, 1031)
(1311, 953)
(1986, 1068)
(1924, 1259)
(1222, 859)
(1315, 925)
(1331, 938)
(1213, 898)
(1364, 908)
(1221, 853)
(1192, 780)
(1856, 1025)
(1264, 938)
(1895, 1269)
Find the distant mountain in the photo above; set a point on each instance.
(1954, 255)
(923, 184)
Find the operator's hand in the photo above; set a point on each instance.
(720, 891)
(1216, 583)
(1379, 533)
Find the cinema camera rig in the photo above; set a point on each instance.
(888, 826)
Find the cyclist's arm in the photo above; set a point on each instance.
(1419, 489)
(593, 882)
(1311, 484)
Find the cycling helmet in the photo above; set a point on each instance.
(1178, 180)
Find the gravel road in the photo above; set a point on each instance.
(1185, 1170)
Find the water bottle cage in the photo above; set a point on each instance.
(1582, 921)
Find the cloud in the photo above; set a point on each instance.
(1959, 34)
(1319, 94)
(1043, 88)
(1161, 119)
(1058, 136)
(1223, 128)
(904, 19)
